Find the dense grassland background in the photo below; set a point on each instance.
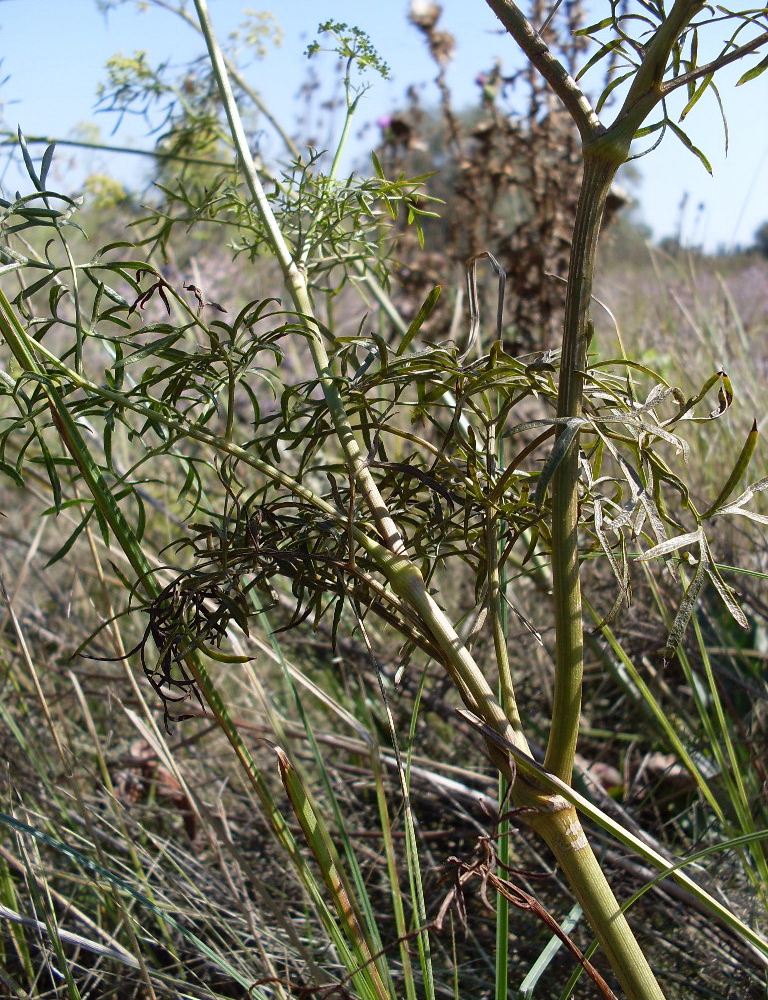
(135, 859)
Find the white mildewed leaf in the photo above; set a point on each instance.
(638, 519)
(653, 516)
(680, 446)
(656, 396)
(733, 506)
(619, 574)
(751, 514)
(671, 545)
(687, 605)
(727, 596)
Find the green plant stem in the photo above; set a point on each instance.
(562, 831)
(603, 154)
(12, 139)
(604, 151)
(297, 286)
(407, 582)
(351, 105)
(499, 626)
(331, 176)
(404, 578)
(646, 85)
(566, 588)
(733, 54)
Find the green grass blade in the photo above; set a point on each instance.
(542, 963)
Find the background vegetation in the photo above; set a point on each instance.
(146, 851)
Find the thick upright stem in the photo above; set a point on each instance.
(598, 175)
(557, 823)
(563, 833)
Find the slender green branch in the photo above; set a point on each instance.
(349, 111)
(495, 605)
(402, 575)
(333, 172)
(11, 139)
(717, 64)
(500, 627)
(646, 88)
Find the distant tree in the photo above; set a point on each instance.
(670, 245)
(761, 239)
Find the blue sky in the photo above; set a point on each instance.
(55, 51)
